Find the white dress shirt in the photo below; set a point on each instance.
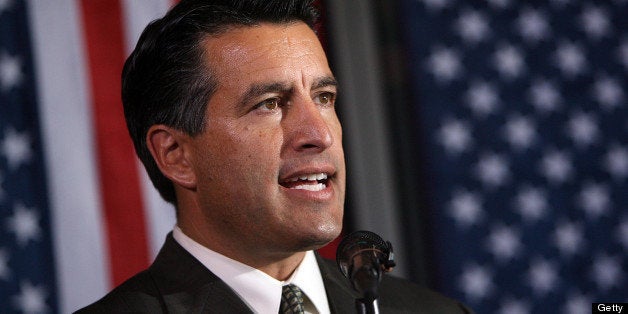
(261, 292)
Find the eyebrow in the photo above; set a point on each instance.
(257, 90)
(324, 82)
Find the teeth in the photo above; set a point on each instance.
(310, 187)
(310, 177)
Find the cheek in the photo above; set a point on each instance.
(239, 153)
(252, 154)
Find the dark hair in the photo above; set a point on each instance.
(165, 81)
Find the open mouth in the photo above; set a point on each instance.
(310, 182)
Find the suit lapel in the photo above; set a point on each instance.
(187, 286)
(340, 294)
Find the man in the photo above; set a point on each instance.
(230, 105)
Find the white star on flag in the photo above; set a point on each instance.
(608, 92)
(542, 276)
(520, 132)
(595, 22)
(482, 98)
(556, 166)
(492, 170)
(16, 148)
(616, 162)
(472, 26)
(570, 59)
(509, 61)
(25, 224)
(606, 271)
(544, 96)
(466, 208)
(594, 198)
(476, 282)
(445, 64)
(32, 299)
(582, 128)
(531, 203)
(10, 71)
(455, 136)
(568, 238)
(504, 242)
(533, 25)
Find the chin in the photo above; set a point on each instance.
(319, 237)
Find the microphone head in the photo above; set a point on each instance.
(361, 242)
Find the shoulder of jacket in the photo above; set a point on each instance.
(138, 294)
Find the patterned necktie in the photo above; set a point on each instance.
(291, 300)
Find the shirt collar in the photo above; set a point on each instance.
(261, 292)
(308, 277)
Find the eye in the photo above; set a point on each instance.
(270, 104)
(325, 98)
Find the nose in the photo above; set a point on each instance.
(307, 127)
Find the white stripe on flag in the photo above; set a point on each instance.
(77, 222)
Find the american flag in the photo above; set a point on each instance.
(523, 109)
(77, 213)
(25, 242)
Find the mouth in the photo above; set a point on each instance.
(310, 182)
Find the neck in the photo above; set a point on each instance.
(275, 259)
(279, 265)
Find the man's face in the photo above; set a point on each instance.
(270, 165)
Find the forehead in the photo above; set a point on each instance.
(263, 51)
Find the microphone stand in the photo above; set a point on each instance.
(366, 281)
(364, 306)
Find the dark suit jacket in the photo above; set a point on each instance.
(178, 283)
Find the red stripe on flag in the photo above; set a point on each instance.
(119, 179)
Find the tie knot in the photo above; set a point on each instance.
(291, 300)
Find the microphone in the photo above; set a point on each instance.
(362, 256)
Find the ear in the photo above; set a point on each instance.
(169, 149)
